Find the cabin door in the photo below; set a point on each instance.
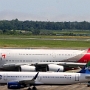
(76, 77)
(39, 78)
(54, 55)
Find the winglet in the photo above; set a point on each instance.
(58, 70)
(29, 81)
(85, 69)
(35, 76)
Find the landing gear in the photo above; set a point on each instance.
(88, 85)
(34, 88)
(29, 88)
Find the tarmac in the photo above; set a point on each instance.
(80, 86)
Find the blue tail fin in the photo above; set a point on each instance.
(85, 69)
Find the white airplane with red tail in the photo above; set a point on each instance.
(43, 59)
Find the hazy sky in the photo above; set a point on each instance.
(45, 10)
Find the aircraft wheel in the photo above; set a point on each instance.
(88, 85)
(29, 89)
(34, 88)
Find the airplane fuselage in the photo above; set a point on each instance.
(43, 55)
(18, 57)
(49, 78)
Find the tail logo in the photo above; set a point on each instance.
(87, 68)
(3, 55)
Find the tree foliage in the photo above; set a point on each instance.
(35, 27)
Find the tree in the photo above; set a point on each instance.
(35, 31)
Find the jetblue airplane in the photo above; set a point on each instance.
(42, 59)
(18, 80)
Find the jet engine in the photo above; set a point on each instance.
(15, 85)
(55, 68)
(27, 68)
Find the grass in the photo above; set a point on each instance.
(41, 36)
(23, 43)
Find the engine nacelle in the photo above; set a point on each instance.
(55, 68)
(14, 85)
(27, 68)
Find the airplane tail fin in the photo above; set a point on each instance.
(85, 69)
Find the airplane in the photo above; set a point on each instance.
(42, 59)
(18, 80)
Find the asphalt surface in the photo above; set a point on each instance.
(80, 86)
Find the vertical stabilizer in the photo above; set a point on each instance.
(86, 68)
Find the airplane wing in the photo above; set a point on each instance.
(63, 63)
(28, 82)
(45, 63)
(67, 65)
(72, 64)
(42, 64)
(12, 66)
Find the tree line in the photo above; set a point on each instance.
(36, 26)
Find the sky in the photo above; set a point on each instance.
(45, 10)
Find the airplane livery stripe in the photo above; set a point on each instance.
(86, 57)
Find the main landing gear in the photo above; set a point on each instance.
(88, 84)
(29, 88)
